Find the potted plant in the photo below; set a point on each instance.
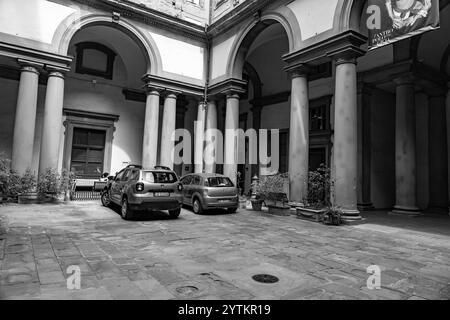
(51, 187)
(27, 191)
(256, 197)
(332, 216)
(318, 198)
(242, 198)
(273, 190)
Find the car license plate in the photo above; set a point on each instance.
(223, 200)
(162, 194)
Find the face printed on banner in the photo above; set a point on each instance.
(389, 21)
(405, 13)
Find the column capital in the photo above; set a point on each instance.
(151, 91)
(338, 60)
(299, 71)
(171, 94)
(30, 66)
(54, 71)
(232, 95)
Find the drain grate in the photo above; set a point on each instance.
(265, 278)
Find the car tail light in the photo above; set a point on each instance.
(180, 187)
(205, 192)
(139, 187)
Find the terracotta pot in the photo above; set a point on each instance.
(257, 205)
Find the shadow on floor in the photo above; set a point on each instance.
(427, 222)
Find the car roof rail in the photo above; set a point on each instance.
(137, 166)
(163, 168)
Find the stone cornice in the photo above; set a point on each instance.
(229, 86)
(149, 16)
(169, 85)
(344, 45)
(36, 56)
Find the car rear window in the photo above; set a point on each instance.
(159, 177)
(217, 182)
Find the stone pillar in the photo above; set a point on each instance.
(211, 123)
(256, 111)
(364, 148)
(405, 148)
(25, 119)
(52, 123)
(231, 144)
(150, 141)
(422, 156)
(448, 141)
(438, 156)
(299, 138)
(199, 133)
(168, 129)
(345, 139)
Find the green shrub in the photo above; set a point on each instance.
(319, 185)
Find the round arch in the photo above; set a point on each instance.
(74, 23)
(242, 43)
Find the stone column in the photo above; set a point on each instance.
(25, 118)
(150, 141)
(199, 133)
(52, 123)
(422, 146)
(211, 123)
(345, 139)
(299, 137)
(256, 111)
(438, 156)
(231, 144)
(364, 148)
(405, 148)
(447, 103)
(168, 129)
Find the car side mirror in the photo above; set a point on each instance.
(111, 178)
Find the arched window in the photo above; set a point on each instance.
(95, 59)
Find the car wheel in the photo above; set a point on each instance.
(174, 213)
(106, 201)
(232, 210)
(197, 207)
(125, 210)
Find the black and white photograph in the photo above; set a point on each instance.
(225, 156)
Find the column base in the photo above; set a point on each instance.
(407, 211)
(350, 216)
(366, 206)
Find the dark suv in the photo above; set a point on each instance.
(136, 189)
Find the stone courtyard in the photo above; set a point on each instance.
(214, 256)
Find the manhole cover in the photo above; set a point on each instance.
(186, 290)
(265, 278)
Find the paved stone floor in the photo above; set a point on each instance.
(214, 256)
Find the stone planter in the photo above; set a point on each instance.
(279, 210)
(27, 198)
(257, 205)
(310, 214)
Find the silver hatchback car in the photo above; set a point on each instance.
(205, 191)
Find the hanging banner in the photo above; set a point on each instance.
(389, 21)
